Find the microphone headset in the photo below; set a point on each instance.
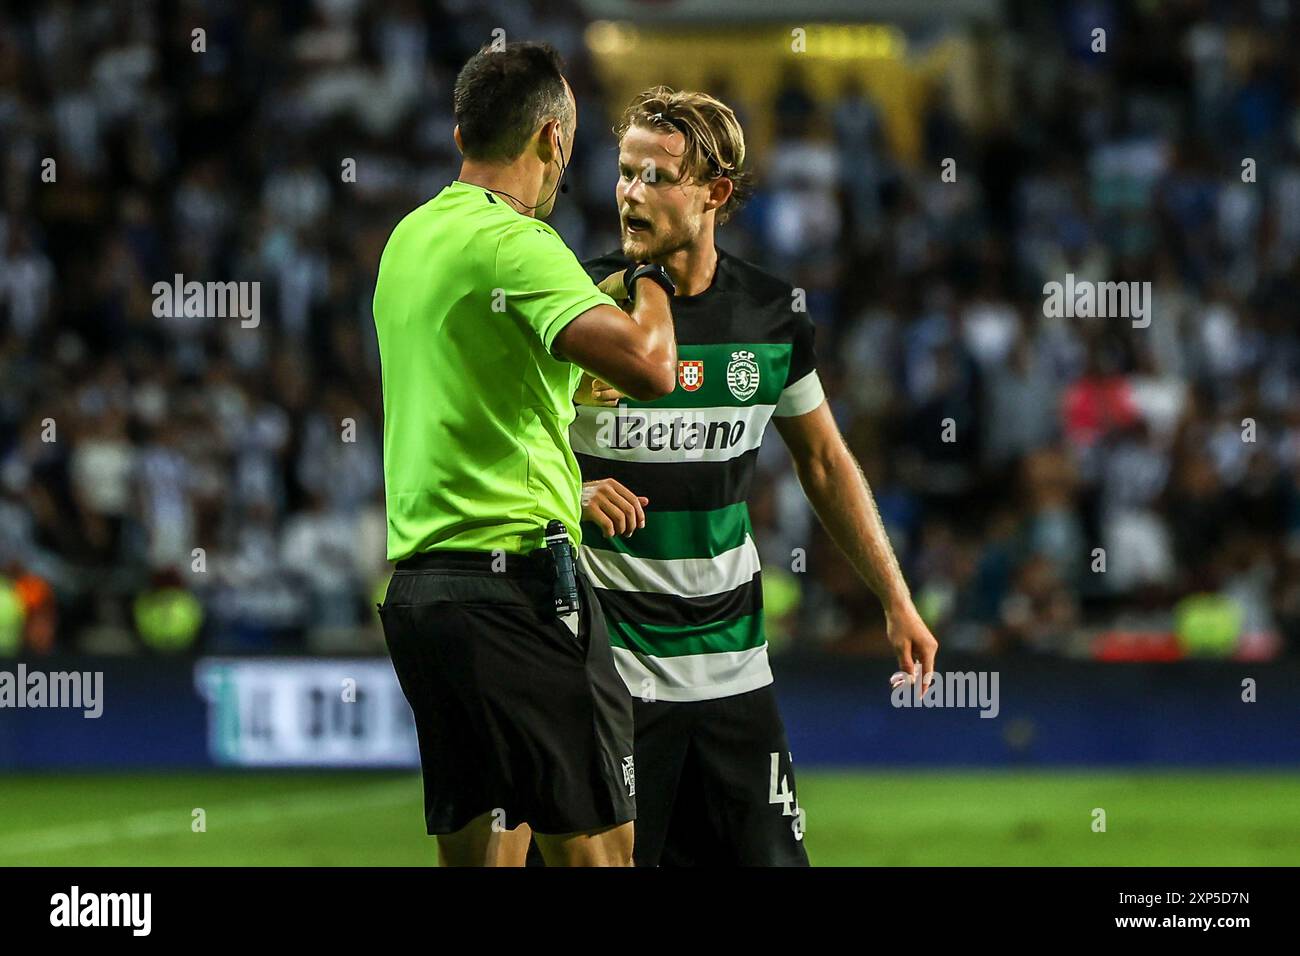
(560, 184)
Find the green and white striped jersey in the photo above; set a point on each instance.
(683, 596)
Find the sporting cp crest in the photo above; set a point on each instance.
(742, 375)
(690, 375)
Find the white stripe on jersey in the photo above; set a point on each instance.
(686, 577)
(693, 676)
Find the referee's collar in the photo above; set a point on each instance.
(483, 189)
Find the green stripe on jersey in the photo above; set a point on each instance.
(678, 534)
(772, 359)
(659, 640)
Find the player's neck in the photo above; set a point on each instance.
(692, 267)
(517, 186)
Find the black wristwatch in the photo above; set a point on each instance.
(647, 270)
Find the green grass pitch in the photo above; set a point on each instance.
(853, 818)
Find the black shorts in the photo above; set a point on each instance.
(715, 784)
(514, 713)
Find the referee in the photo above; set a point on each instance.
(485, 322)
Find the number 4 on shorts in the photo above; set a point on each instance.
(782, 795)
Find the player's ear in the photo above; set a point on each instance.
(720, 191)
(455, 134)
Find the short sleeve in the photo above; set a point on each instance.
(543, 282)
(803, 388)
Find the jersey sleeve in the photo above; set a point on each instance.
(803, 389)
(542, 281)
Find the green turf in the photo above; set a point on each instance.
(951, 818)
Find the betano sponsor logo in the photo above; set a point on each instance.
(667, 430)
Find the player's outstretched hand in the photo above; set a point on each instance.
(915, 646)
(592, 391)
(612, 508)
(613, 287)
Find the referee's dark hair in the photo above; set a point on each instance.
(503, 95)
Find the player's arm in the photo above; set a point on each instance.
(635, 351)
(839, 494)
(545, 287)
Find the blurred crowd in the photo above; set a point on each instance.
(1051, 484)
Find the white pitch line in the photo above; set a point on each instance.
(144, 826)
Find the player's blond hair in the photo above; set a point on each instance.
(715, 143)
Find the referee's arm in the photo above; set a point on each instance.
(636, 352)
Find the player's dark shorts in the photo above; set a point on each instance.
(715, 784)
(514, 713)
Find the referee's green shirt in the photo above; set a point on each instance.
(469, 300)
